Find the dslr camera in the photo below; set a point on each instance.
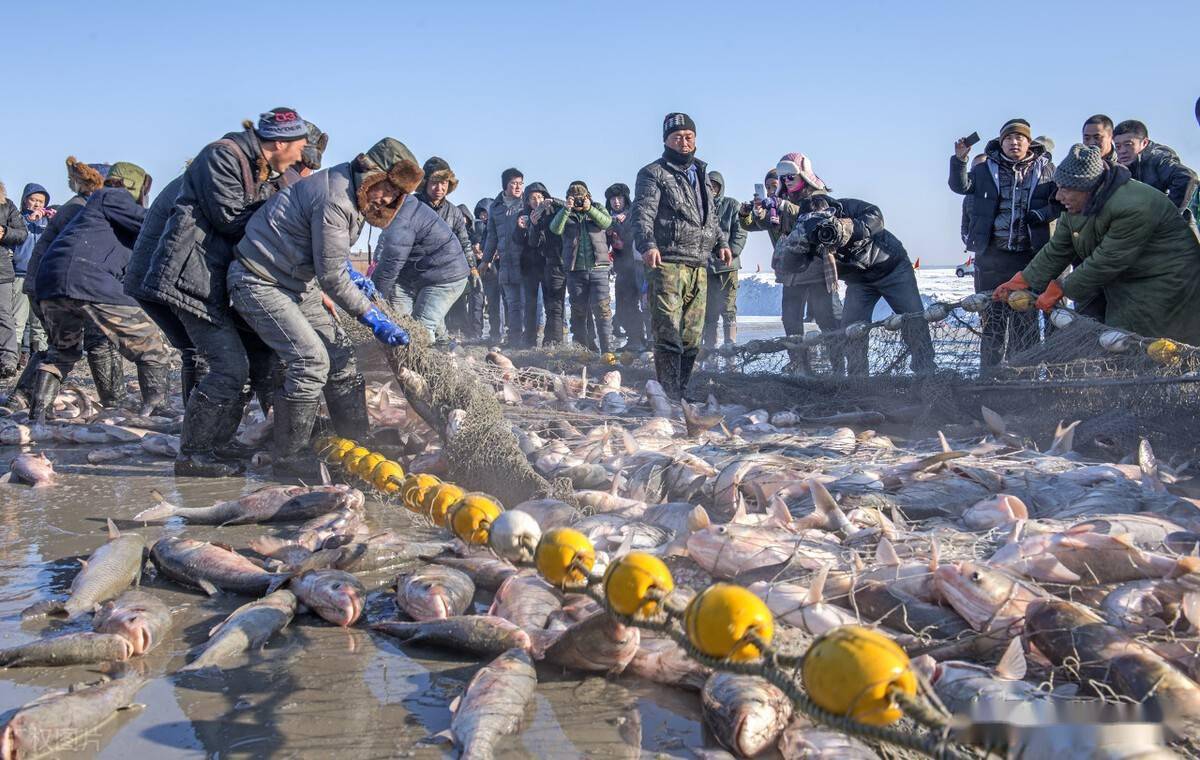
(826, 234)
(578, 202)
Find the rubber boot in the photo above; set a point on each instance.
(730, 333)
(687, 361)
(666, 366)
(227, 448)
(347, 402)
(202, 422)
(108, 371)
(293, 457)
(45, 390)
(154, 381)
(21, 396)
(187, 374)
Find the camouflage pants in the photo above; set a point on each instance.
(135, 335)
(722, 304)
(677, 301)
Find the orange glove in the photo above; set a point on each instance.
(1049, 299)
(1016, 283)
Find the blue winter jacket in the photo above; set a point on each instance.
(417, 249)
(87, 260)
(22, 252)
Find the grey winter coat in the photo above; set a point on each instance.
(301, 237)
(732, 233)
(66, 213)
(147, 240)
(15, 233)
(1160, 167)
(452, 215)
(499, 247)
(418, 249)
(669, 217)
(220, 193)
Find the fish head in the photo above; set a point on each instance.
(337, 597)
(131, 625)
(975, 591)
(995, 511)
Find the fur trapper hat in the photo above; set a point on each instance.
(437, 170)
(131, 177)
(84, 179)
(389, 159)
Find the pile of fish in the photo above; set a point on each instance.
(1005, 572)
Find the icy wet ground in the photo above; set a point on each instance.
(316, 690)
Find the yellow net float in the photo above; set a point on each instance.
(412, 493)
(387, 477)
(1164, 351)
(1021, 300)
(720, 617)
(630, 579)
(438, 500)
(352, 457)
(365, 466)
(338, 448)
(852, 671)
(557, 552)
(471, 517)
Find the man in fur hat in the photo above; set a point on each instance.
(296, 249)
(104, 361)
(222, 187)
(439, 182)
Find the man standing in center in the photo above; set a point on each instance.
(675, 227)
(501, 252)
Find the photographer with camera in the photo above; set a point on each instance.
(675, 228)
(814, 287)
(872, 262)
(541, 264)
(1012, 205)
(586, 262)
(723, 275)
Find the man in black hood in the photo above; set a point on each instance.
(676, 229)
(630, 313)
(541, 264)
(489, 276)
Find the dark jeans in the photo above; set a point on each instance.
(899, 289)
(493, 299)
(590, 295)
(1002, 331)
(554, 296)
(312, 347)
(512, 284)
(824, 308)
(630, 310)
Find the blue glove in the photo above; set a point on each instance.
(362, 281)
(384, 329)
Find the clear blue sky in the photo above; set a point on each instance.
(874, 92)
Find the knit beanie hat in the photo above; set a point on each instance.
(508, 175)
(675, 122)
(1081, 169)
(131, 177)
(1020, 126)
(85, 179)
(436, 170)
(281, 124)
(799, 165)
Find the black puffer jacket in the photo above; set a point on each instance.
(871, 253)
(983, 184)
(66, 213)
(15, 233)
(220, 193)
(1160, 167)
(147, 240)
(536, 242)
(668, 216)
(418, 249)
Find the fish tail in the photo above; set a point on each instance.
(159, 511)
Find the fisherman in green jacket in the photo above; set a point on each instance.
(1137, 251)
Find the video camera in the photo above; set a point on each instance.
(826, 234)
